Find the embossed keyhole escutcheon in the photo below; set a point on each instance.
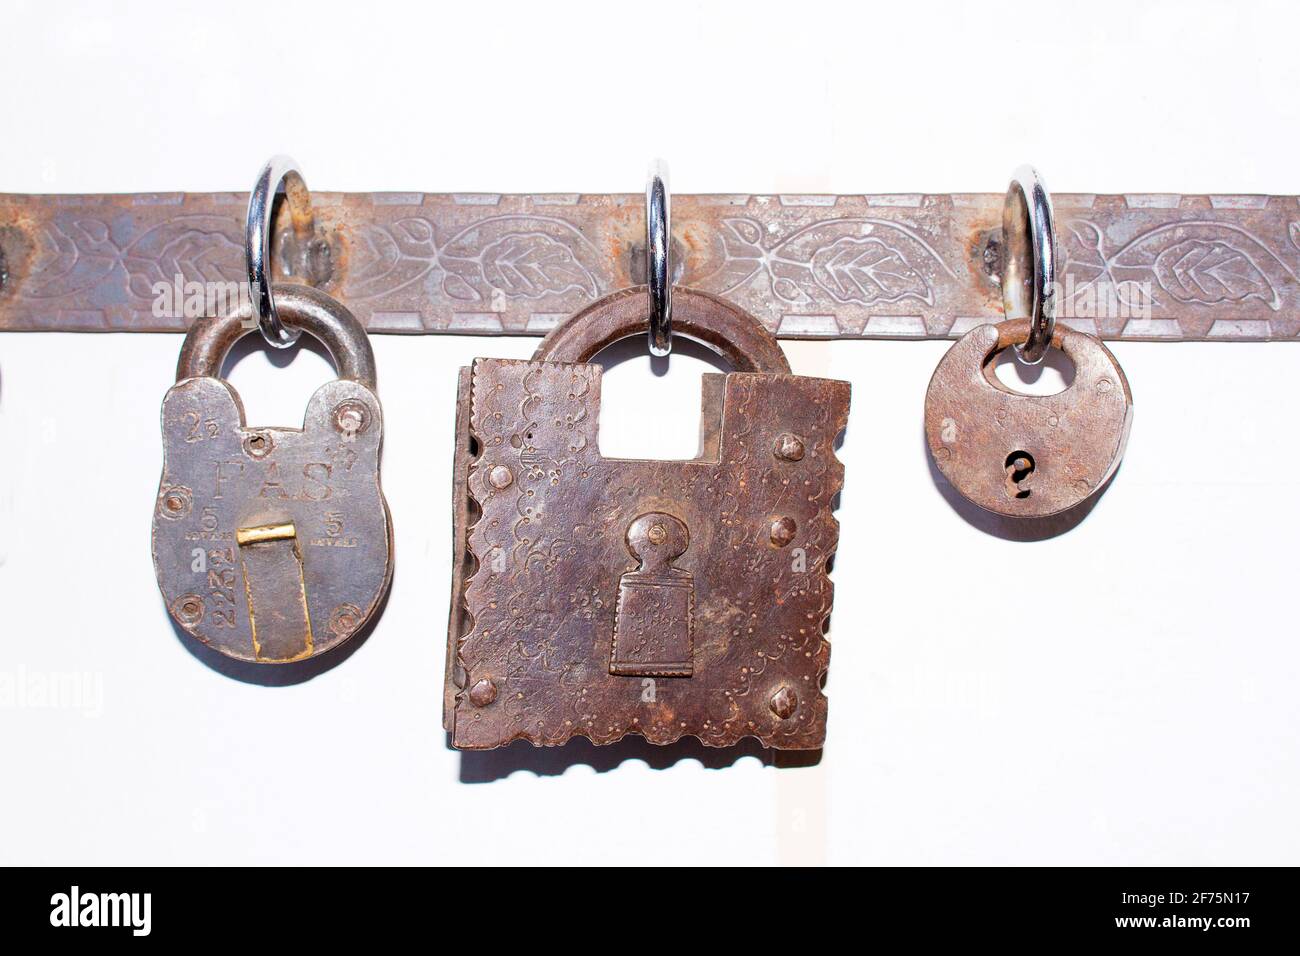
(655, 540)
(654, 624)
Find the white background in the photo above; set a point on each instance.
(1124, 692)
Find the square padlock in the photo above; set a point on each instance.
(601, 597)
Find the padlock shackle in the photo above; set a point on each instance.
(1015, 332)
(1077, 346)
(210, 340)
(713, 322)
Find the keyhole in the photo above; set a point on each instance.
(1019, 465)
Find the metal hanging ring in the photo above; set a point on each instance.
(658, 225)
(257, 240)
(1029, 261)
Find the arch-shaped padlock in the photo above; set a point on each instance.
(273, 544)
(601, 596)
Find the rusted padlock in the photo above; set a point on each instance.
(273, 544)
(1026, 455)
(1023, 455)
(599, 597)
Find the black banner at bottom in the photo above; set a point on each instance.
(131, 906)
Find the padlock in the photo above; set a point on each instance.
(1026, 455)
(601, 597)
(273, 545)
(1018, 455)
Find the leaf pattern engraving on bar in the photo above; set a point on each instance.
(76, 255)
(837, 261)
(1193, 262)
(196, 248)
(392, 257)
(1196, 270)
(867, 270)
(70, 257)
(513, 256)
(532, 264)
(825, 269)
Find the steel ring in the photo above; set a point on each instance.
(658, 210)
(257, 240)
(1029, 261)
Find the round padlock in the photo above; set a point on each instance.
(1026, 455)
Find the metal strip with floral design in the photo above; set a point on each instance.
(1132, 267)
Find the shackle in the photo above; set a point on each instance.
(324, 318)
(723, 328)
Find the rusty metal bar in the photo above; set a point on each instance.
(1133, 267)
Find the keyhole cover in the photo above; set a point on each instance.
(654, 626)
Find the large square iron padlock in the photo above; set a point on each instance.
(601, 597)
(273, 545)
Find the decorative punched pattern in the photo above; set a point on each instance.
(1140, 267)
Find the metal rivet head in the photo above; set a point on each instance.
(344, 620)
(176, 502)
(483, 692)
(351, 417)
(500, 477)
(784, 702)
(188, 609)
(258, 444)
(788, 447)
(782, 532)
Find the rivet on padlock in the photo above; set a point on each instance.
(1027, 455)
(273, 544)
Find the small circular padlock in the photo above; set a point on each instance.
(1026, 455)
